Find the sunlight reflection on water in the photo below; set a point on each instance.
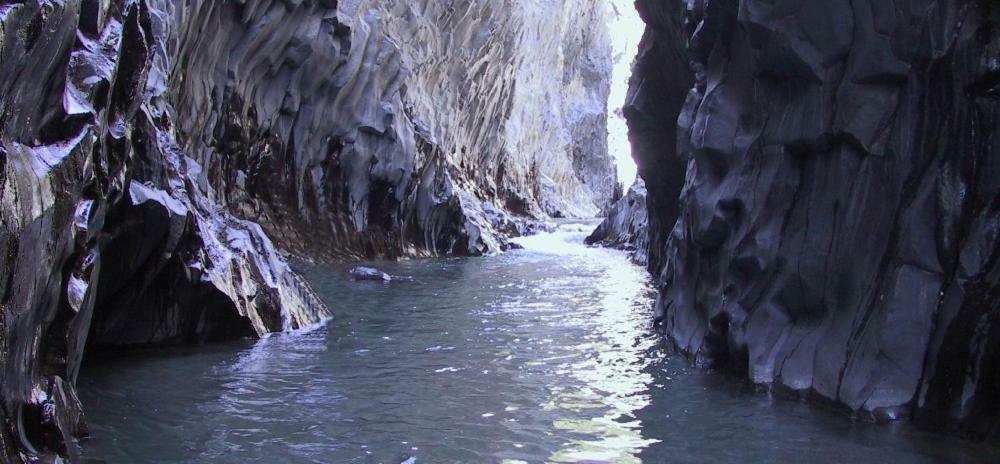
(612, 370)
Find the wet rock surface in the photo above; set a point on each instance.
(109, 236)
(837, 231)
(627, 225)
(658, 88)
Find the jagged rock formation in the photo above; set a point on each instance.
(658, 88)
(381, 128)
(839, 223)
(627, 225)
(108, 234)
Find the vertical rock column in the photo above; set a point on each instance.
(660, 82)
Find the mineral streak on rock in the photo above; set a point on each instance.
(837, 232)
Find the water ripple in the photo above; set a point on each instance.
(539, 355)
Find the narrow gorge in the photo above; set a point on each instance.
(186, 189)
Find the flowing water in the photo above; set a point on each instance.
(539, 355)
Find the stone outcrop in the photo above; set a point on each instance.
(626, 226)
(661, 78)
(837, 231)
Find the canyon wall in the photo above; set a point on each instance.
(152, 150)
(394, 128)
(836, 232)
(513, 95)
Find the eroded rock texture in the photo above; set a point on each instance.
(386, 128)
(109, 233)
(838, 227)
(513, 94)
(626, 226)
(658, 87)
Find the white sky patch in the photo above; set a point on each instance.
(626, 31)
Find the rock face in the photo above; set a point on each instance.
(658, 88)
(837, 232)
(108, 234)
(627, 225)
(151, 150)
(382, 128)
(513, 95)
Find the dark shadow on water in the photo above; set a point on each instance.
(697, 415)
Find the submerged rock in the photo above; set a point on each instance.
(369, 273)
(837, 232)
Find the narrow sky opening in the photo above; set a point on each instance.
(626, 31)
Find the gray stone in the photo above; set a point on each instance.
(155, 156)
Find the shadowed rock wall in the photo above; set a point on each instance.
(837, 229)
(661, 78)
(109, 235)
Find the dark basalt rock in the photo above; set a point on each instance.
(308, 122)
(627, 225)
(108, 234)
(661, 78)
(839, 223)
(294, 110)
